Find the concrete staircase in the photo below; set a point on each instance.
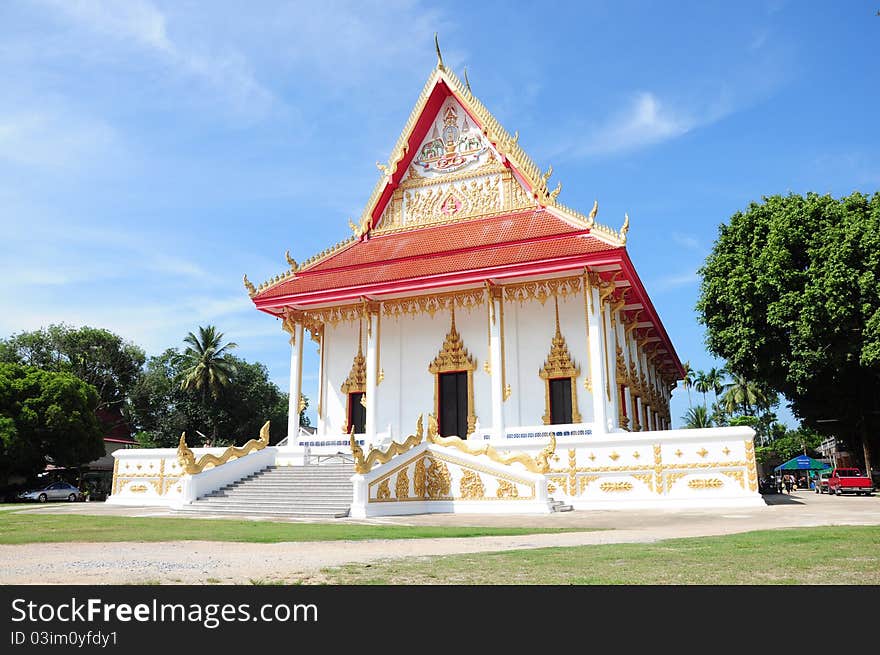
(315, 491)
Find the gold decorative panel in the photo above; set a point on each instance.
(401, 485)
(542, 290)
(357, 377)
(455, 201)
(437, 480)
(506, 489)
(616, 486)
(431, 304)
(701, 483)
(471, 485)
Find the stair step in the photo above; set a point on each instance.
(296, 491)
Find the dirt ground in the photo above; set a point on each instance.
(206, 562)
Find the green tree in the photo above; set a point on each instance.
(207, 368)
(702, 384)
(162, 409)
(688, 380)
(791, 443)
(96, 356)
(697, 417)
(744, 396)
(716, 378)
(790, 296)
(46, 417)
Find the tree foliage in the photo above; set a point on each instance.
(790, 297)
(697, 417)
(161, 408)
(206, 362)
(94, 355)
(46, 417)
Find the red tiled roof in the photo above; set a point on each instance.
(534, 235)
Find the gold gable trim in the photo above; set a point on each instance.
(503, 142)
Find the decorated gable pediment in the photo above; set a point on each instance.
(455, 174)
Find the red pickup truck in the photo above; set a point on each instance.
(844, 481)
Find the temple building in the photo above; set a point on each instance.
(468, 290)
(479, 342)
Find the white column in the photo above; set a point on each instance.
(610, 361)
(372, 320)
(296, 349)
(322, 356)
(620, 333)
(496, 367)
(597, 363)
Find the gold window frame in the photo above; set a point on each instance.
(558, 365)
(454, 358)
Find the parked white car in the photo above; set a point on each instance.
(53, 491)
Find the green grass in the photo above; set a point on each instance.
(25, 528)
(832, 555)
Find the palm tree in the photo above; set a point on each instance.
(702, 384)
(206, 367)
(716, 379)
(688, 380)
(697, 417)
(743, 394)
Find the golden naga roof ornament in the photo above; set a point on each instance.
(591, 219)
(251, 289)
(439, 56)
(625, 228)
(290, 260)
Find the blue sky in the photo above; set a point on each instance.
(152, 152)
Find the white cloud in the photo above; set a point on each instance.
(133, 20)
(687, 241)
(670, 282)
(647, 121)
(141, 23)
(55, 139)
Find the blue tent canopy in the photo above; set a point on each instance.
(802, 463)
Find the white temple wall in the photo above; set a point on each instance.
(529, 331)
(389, 409)
(411, 342)
(340, 342)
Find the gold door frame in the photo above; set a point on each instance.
(557, 366)
(454, 358)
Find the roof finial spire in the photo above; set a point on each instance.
(625, 228)
(467, 82)
(439, 56)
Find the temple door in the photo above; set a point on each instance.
(453, 405)
(560, 401)
(357, 413)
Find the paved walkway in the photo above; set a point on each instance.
(194, 562)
